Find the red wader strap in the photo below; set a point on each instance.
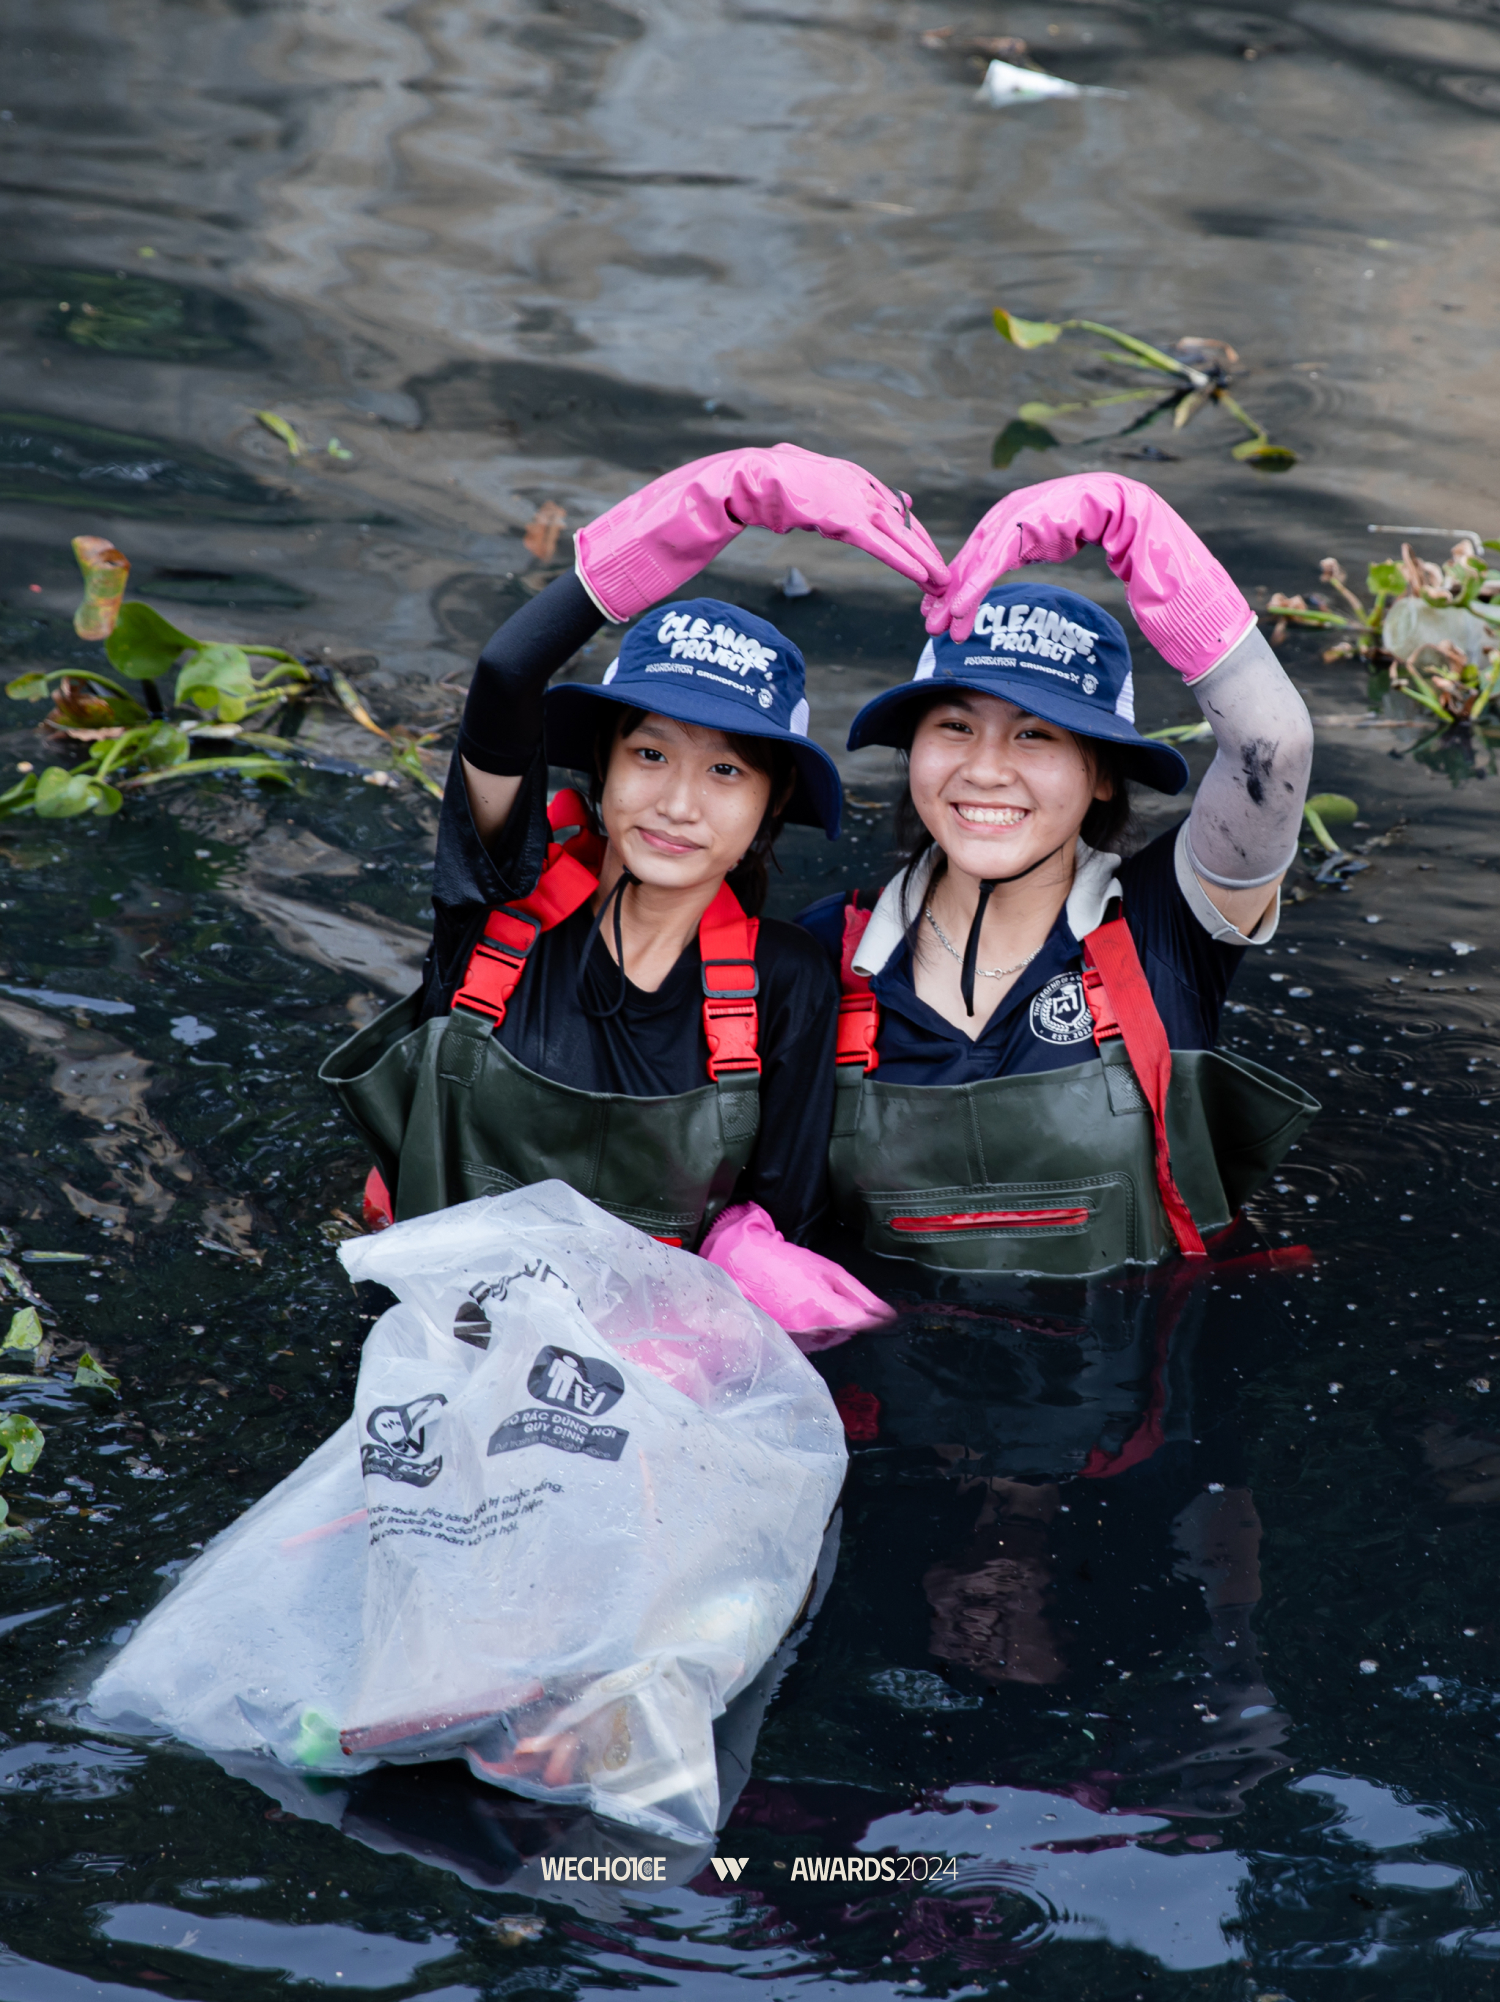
(859, 1011)
(1119, 998)
(731, 1022)
(569, 879)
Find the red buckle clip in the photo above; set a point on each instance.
(1105, 1024)
(731, 993)
(520, 953)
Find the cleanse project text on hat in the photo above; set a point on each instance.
(1036, 630)
(718, 645)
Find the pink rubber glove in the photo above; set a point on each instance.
(1183, 598)
(649, 545)
(803, 1292)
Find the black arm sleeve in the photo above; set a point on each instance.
(502, 723)
(501, 733)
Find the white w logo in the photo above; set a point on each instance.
(729, 1866)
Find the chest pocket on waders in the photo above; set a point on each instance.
(451, 1114)
(1071, 1172)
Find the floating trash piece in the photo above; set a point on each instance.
(1481, 1384)
(188, 1029)
(1335, 1388)
(920, 1689)
(518, 1929)
(795, 585)
(1004, 83)
(50, 998)
(55, 1257)
(543, 530)
(1371, 918)
(1368, 1667)
(1299, 993)
(1457, 945)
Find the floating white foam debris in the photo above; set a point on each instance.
(1005, 84)
(795, 585)
(1461, 948)
(1368, 1667)
(188, 1029)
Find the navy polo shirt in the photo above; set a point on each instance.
(1044, 1023)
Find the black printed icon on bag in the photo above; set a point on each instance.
(472, 1324)
(399, 1451)
(576, 1388)
(575, 1383)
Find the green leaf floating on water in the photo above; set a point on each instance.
(21, 1441)
(218, 677)
(92, 1375)
(29, 688)
(280, 428)
(1026, 333)
(25, 1335)
(61, 795)
(144, 645)
(1261, 452)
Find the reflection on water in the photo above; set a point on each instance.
(1160, 1653)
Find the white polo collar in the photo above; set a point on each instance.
(1094, 873)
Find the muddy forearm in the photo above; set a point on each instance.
(1245, 819)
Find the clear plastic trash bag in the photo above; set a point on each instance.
(580, 1501)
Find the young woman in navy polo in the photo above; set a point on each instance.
(601, 1001)
(1027, 1073)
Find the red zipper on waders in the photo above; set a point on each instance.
(1121, 1003)
(726, 945)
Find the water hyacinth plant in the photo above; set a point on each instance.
(217, 694)
(1199, 371)
(1435, 628)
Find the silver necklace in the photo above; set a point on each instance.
(984, 972)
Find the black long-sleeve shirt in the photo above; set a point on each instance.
(655, 1045)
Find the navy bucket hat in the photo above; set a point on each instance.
(702, 661)
(1057, 655)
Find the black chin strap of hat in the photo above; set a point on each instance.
(971, 949)
(617, 898)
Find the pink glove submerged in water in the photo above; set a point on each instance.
(653, 541)
(806, 1294)
(1183, 598)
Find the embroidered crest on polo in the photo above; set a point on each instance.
(1060, 1013)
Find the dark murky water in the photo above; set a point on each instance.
(1110, 1566)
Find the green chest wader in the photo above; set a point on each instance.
(451, 1114)
(1121, 1160)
